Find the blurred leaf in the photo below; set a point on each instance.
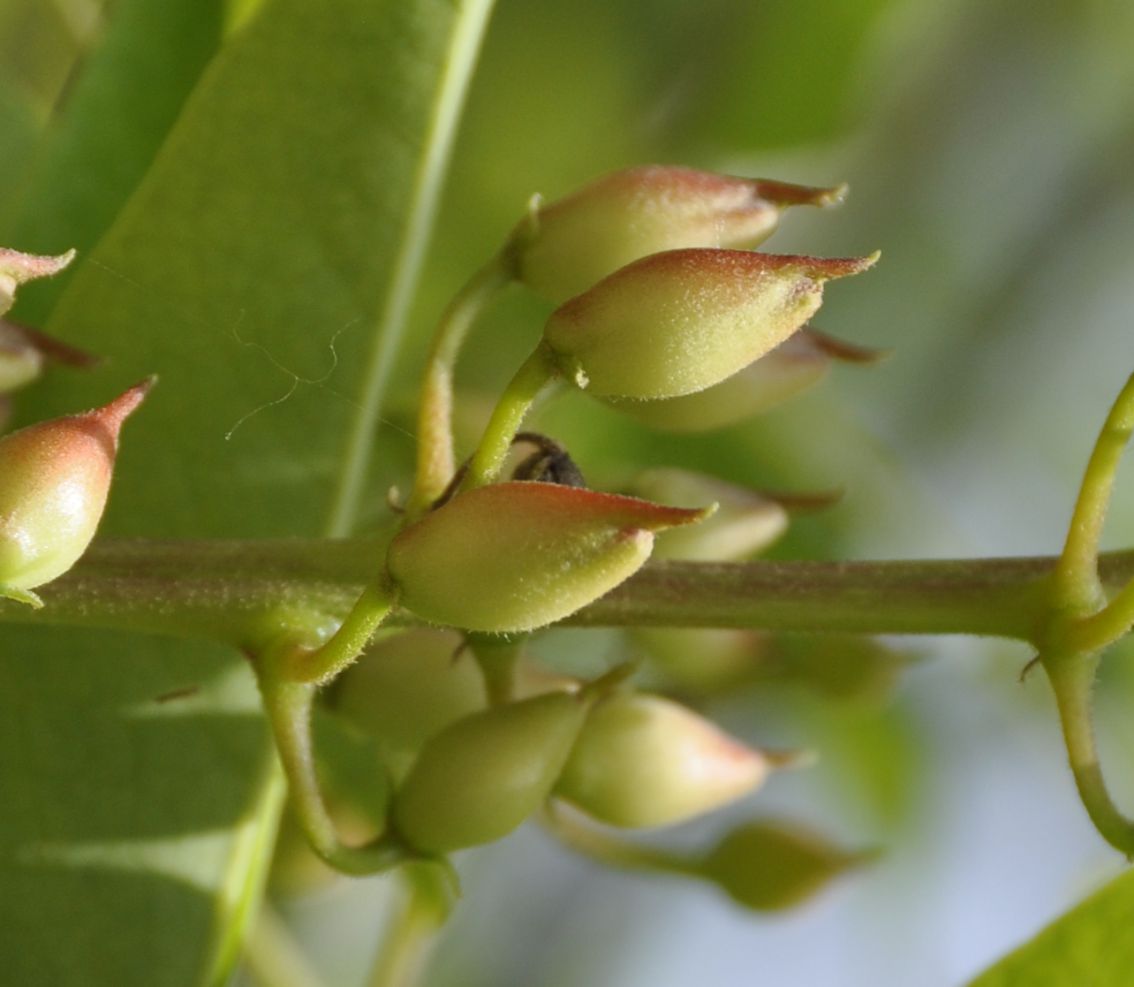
(761, 75)
(108, 128)
(1090, 945)
(284, 212)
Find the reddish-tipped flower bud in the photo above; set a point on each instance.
(54, 480)
(567, 246)
(16, 268)
(482, 776)
(798, 363)
(745, 522)
(768, 866)
(678, 322)
(516, 556)
(643, 761)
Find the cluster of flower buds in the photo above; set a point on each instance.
(54, 481)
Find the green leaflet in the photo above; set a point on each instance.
(1089, 945)
(107, 127)
(275, 239)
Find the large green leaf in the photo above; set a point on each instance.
(108, 127)
(287, 211)
(1090, 946)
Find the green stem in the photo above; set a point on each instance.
(273, 957)
(1077, 586)
(610, 850)
(288, 706)
(402, 956)
(348, 642)
(435, 462)
(497, 657)
(221, 591)
(535, 373)
(1072, 678)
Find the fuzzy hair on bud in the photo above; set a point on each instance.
(54, 481)
(678, 322)
(17, 268)
(567, 246)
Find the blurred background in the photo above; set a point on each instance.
(989, 149)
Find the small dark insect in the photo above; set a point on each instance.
(550, 463)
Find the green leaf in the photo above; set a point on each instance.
(1090, 946)
(108, 128)
(274, 240)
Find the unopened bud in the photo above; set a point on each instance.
(17, 267)
(678, 322)
(769, 866)
(580, 239)
(798, 363)
(516, 556)
(642, 760)
(408, 687)
(745, 522)
(54, 480)
(483, 775)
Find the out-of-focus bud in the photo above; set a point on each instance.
(702, 660)
(20, 361)
(483, 775)
(678, 322)
(406, 688)
(844, 667)
(16, 268)
(798, 363)
(769, 866)
(745, 522)
(516, 556)
(567, 246)
(54, 480)
(642, 761)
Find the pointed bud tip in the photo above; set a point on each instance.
(112, 415)
(21, 267)
(840, 349)
(788, 194)
(789, 760)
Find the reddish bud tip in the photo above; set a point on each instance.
(112, 415)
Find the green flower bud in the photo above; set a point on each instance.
(769, 866)
(567, 246)
(641, 760)
(483, 775)
(406, 688)
(798, 363)
(54, 480)
(678, 322)
(744, 523)
(16, 268)
(516, 556)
